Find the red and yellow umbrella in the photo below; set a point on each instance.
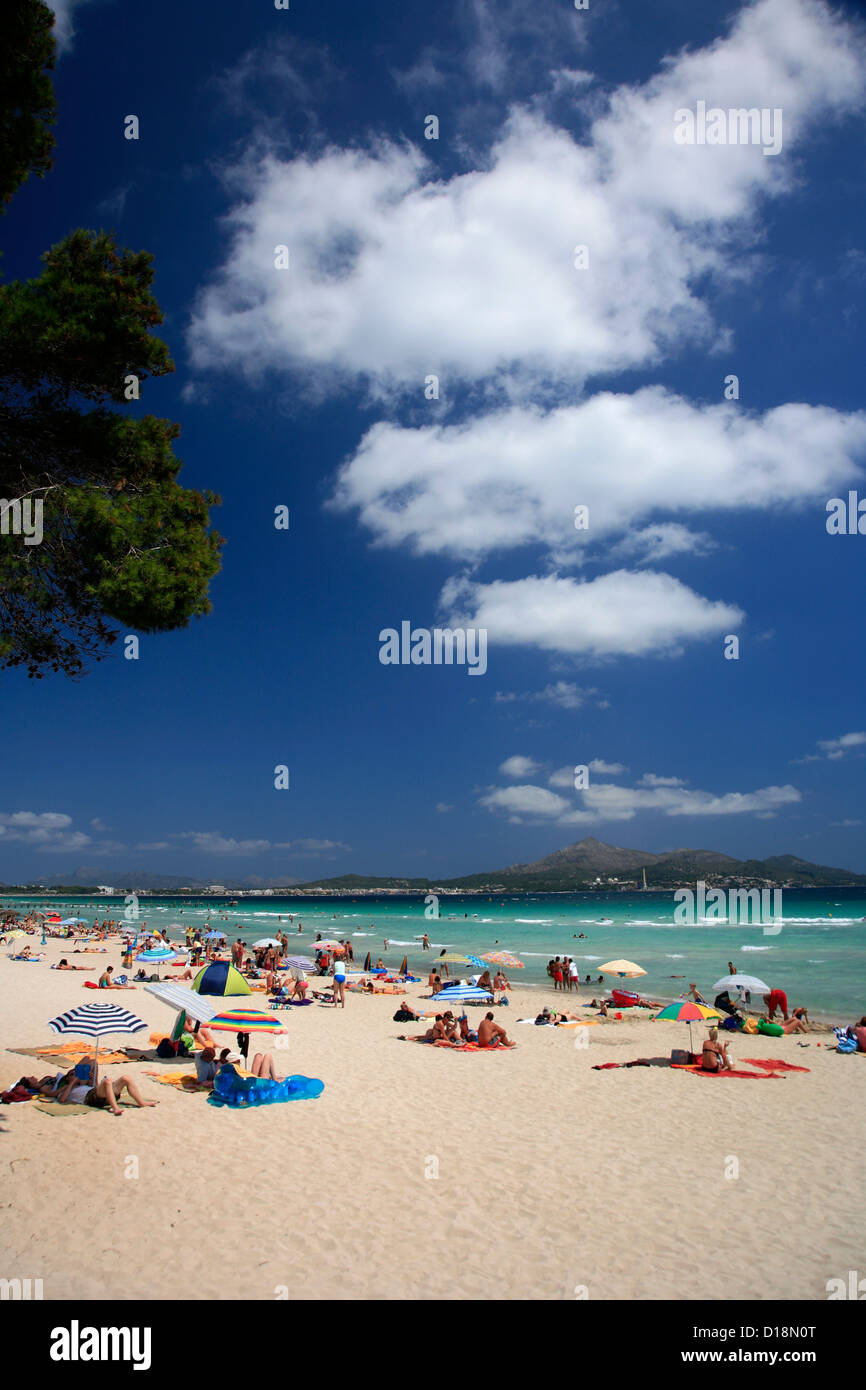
(504, 958)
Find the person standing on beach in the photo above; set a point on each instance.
(573, 977)
(339, 983)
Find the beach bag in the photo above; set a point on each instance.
(401, 1016)
(679, 1058)
(847, 1045)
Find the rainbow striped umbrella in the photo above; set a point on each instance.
(504, 958)
(245, 1021)
(687, 1011)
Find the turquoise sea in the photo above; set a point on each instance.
(818, 957)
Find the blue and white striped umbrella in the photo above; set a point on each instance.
(96, 1021)
(463, 994)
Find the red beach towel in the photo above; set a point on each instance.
(771, 1064)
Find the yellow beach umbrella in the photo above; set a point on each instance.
(626, 969)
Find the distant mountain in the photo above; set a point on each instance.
(588, 863)
(580, 864)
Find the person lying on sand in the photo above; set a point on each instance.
(263, 1066)
(491, 1035)
(104, 1095)
(64, 965)
(795, 1025)
(715, 1054)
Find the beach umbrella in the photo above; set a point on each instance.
(178, 997)
(245, 1021)
(368, 962)
(72, 921)
(266, 941)
(504, 958)
(463, 994)
(14, 935)
(96, 1021)
(745, 984)
(404, 966)
(214, 935)
(687, 1011)
(158, 956)
(458, 958)
(625, 969)
(300, 962)
(220, 978)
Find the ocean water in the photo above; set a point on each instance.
(818, 957)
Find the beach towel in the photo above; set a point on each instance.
(772, 1064)
(745, 1075)
(72, 1053)
(457, 1047)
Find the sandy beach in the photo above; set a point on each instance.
(423, 1173)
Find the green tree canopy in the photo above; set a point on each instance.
(27, 107)
(121, 540)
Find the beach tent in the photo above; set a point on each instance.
(404, 966)
(220, 978)
(368, 962)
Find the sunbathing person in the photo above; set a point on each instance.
(104, 1095)
(452, 1032)
(106, 982)
(436, 1033)
(263, 1066)
(795, 1025)
(500, 981)
(199, 1032)
(484, 982)
(64, 965)
(715, 1054)
(491, 1035)
(206, 1067)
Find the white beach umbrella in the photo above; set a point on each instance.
(266, 941)
(198, 1006)
(743, 983)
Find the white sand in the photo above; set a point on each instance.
(552, 1177)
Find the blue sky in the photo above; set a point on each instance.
(558, 386)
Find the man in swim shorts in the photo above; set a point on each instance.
(776, 999)
(491, 1035)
